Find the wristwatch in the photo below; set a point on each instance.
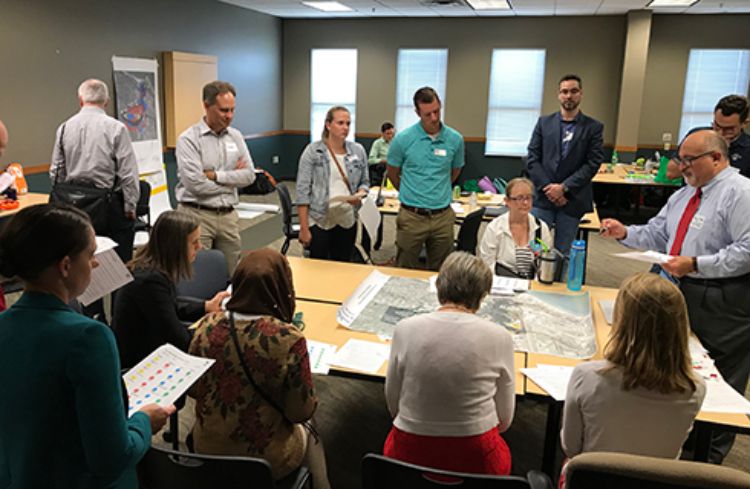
(695, 263)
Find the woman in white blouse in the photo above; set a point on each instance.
(450, 382)
(642, 398)
(505, 246)
(331, 183)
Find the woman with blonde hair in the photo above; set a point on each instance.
(506, 243)
(331, 183)
(643, 397)
(450, 384)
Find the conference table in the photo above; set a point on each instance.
(25, 200)
(629, 177)
(322, 286)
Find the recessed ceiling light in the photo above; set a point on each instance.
(671, 3)
(489, 4)
(329, 6)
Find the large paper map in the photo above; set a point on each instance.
(540, 322)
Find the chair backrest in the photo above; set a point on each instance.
(287, 208)
(379, 472)
(210, 275)
(467, 234)
(142, 207)
(619, 471)
(162, 468)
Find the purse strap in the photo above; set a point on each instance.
(266, 397)
(61, 166)
(341, 171)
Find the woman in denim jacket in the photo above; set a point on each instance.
(330, 191)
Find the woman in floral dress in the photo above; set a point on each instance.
(254, 404)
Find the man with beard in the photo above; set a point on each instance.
(565, 153)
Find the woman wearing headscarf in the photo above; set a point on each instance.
(254, 399)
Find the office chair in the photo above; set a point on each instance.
(620, 471)
(210, 275)
(467, 233)
(142, 208)
(379, 472)
(162, 468)
(290, 225)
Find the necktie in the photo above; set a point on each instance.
(687, 216)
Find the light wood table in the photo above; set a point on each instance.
(321, 325)
(620, 174)
(26, 200)
(334, 282)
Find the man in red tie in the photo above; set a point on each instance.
(705, 228)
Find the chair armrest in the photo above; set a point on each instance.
(538, 480)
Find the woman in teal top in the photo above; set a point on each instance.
(62, 414)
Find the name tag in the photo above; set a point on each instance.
(440, 152)
(697, 222)
(231, 146)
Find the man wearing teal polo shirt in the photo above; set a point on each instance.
(423, 162)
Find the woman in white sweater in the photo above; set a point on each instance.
(642, 398)
(505, 246)
(450, 381)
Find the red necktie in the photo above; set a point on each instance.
(687, 217)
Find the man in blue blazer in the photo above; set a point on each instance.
(565, 152)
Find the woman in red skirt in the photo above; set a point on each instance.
(450, 383)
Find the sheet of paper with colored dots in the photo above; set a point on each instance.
(162, 377)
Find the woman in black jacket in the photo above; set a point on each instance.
(147, 313)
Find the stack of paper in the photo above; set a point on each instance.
(110, 275)
(552, 378)
(508, 285)
(365, 356)
(321, 355)
(647, 256)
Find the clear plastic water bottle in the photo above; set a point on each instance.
(576, 265)
(473, 200)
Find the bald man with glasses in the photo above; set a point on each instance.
(704, 226)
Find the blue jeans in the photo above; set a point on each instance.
(565, 228)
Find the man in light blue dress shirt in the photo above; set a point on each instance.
(713, 266)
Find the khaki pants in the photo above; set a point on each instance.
(220, 232)
(414, 231)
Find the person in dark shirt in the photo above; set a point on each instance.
(146, 312)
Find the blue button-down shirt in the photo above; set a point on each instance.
(719, 234)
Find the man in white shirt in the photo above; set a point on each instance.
(212, 162)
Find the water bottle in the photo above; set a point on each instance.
(456, 192)
(473, 200)
(576, 265)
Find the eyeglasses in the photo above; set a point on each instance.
(521, 198)
(689, 160)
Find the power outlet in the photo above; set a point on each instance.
(275, 159)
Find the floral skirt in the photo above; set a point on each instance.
(486, 453)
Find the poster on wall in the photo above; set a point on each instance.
(137, 106)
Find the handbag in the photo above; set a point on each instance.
(85, 196)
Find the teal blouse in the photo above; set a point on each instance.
(62, 414)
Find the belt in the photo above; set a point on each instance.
(424, 212)
(716, 282)
(218, 210)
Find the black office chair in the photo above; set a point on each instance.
(467, 234)
(142, 208)
(290, 226)
(623, 471)
(210, 275)
(162, 468)
(379, 472)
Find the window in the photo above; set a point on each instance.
(712, 74)
(516, 82)
(418, 68)
(333, 81)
